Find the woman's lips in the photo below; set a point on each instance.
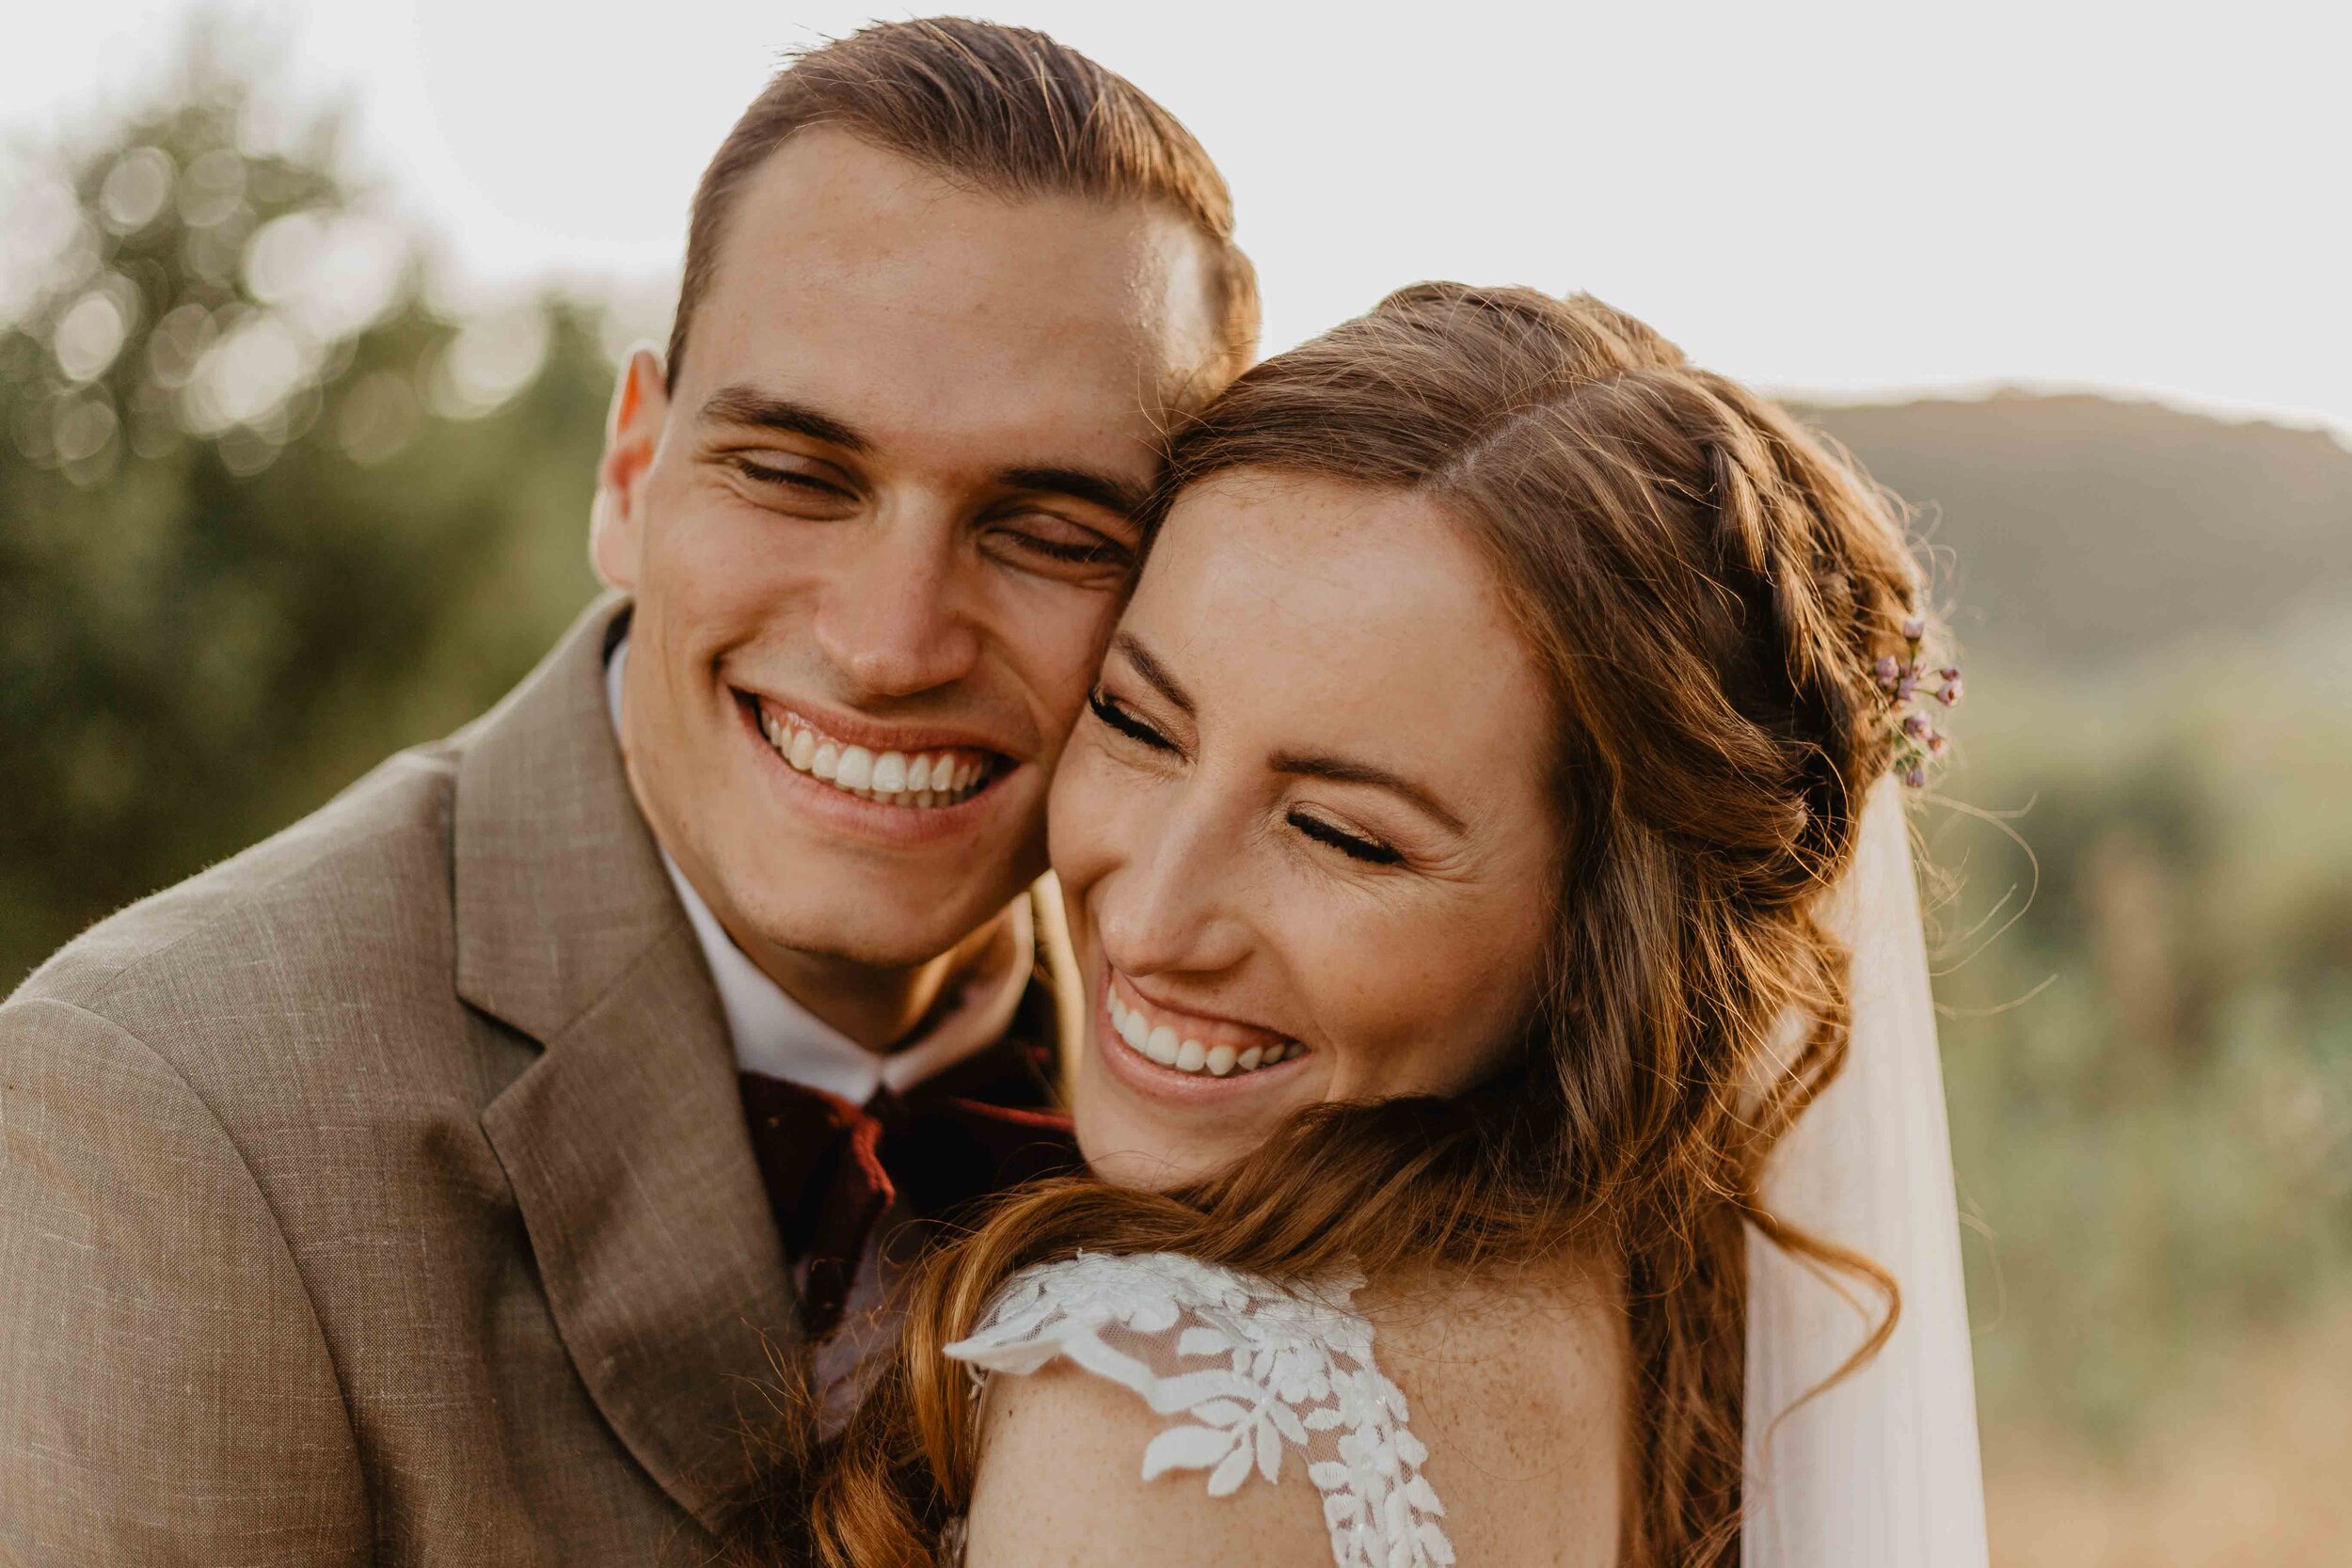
(1156, 1042)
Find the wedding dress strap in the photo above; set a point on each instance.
(1247, 1371)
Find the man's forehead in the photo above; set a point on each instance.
(833, 236)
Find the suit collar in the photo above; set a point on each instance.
(624, 1142)
(558, 884)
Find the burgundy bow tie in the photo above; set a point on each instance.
(834, 1169)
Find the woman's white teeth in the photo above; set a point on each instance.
(893, 778)
(1162, 1045)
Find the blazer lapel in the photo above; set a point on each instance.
(624, 1141)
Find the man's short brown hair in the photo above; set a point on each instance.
(1006, 109)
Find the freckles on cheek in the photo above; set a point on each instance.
(1415, 1009)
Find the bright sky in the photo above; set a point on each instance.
(1851, 197)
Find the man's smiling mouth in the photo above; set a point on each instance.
(922, 780)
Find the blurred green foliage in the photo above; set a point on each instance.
(2150, 1069)
(266, 514)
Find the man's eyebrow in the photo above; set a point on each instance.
(745, 404)
(1107, 491)
(1341, 771)
(1153, 671)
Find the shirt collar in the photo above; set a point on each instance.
(774, 1035)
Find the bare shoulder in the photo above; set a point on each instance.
(1517, 1381)
(1060, 1486)
(1517, 1384)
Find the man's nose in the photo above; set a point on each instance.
(894, 618)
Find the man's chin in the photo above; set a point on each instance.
(866, 926)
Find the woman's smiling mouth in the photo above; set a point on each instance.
(1141, 1031)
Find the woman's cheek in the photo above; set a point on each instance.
(1081, 817)
(1409, 1001)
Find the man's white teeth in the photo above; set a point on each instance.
(1162, 1045)
(893, 778)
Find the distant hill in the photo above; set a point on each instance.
(2086, 528)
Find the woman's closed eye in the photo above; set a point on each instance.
(1120, 717)
(1356, 846)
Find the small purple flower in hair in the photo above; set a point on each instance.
(1915, 627)
(1950, 692)
(1888, 672)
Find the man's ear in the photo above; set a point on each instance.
(632, 434)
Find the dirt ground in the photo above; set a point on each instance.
(2261, 1475)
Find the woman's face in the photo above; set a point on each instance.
(1304, 831)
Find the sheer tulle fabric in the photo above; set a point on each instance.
(1880, 1471)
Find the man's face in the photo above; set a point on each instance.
(877, 535)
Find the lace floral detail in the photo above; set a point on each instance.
(1252, 1368)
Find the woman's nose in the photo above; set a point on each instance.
(1174, 908)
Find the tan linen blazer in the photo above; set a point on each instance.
(383, 1196)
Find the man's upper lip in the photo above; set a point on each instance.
(876, 734)
(1189, 1011)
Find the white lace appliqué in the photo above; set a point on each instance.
(1251, 1367)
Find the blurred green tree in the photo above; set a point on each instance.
(265, 513)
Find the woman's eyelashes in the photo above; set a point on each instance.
(1356, 846)
(1118, 715)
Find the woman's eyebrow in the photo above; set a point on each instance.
(1341, 771)
(1153, 672)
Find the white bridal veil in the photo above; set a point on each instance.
(1880, 1471)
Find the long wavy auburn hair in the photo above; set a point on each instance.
(1707, 588)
